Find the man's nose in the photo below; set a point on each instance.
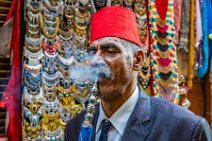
(97, 59)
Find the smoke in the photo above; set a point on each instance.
(89, 71)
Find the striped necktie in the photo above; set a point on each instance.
(106, 124)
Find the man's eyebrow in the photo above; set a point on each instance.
(108, 45)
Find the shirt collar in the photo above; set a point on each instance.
(120, 117)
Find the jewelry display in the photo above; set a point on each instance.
(50, 45)
(65, 114)
(141, 16)
(32, 115)
(51, 122)
(50, 63)
(82, 17)
(98, 4)
(32, 42)
(81, 91)
(128, 3)
(34, 6)
(32, 82)
(33, 59)
(50, 93)
(32, 134)
(80, 42)
(33, 22)
(33, 49)
(144, 74)
(32, 98)
(50, 31)
(51, 108)
(66, 34)
(80, 58)
(117, 2)
(54, 136)
(50, 80)
(52, 5)
(163, 56)
(64, 86)
(66, 50)
(64, 66)
(33, 69)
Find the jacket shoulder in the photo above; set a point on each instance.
(176, 120)
(172, 110)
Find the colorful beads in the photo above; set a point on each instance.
(163, 56)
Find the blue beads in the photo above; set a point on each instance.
(157, 76)
(28, 114)
(81, 84)
(34, 119)
(53, 139)
(39, 113)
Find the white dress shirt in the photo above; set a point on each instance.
(118, 119)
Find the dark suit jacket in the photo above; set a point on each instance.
(152, 119)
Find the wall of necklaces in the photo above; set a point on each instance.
(57, 33)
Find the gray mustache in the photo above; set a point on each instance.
(103, 71)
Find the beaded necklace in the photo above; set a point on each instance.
(163, 54)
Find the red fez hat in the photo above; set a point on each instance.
(114, 21)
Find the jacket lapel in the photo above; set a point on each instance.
(137, 128)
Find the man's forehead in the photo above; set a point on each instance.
(106, 40)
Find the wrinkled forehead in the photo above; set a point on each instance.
(106, 40)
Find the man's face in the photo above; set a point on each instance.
(113, 57)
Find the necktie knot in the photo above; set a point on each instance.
(106, 125)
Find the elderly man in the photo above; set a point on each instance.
(125, 112)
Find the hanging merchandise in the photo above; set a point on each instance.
(140, 9)
(199, 35)
(184, 28)
(163, 50)
(177, 17)
(117, 2)
(98, 4)
(144, 75)
(202, 69)
(209, 4)
(183, 91)
(192, 46)
(49, 23)
(55, 41)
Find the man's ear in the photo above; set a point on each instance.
(138, 60)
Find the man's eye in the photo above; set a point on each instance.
(91, 52)
(111, 52)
